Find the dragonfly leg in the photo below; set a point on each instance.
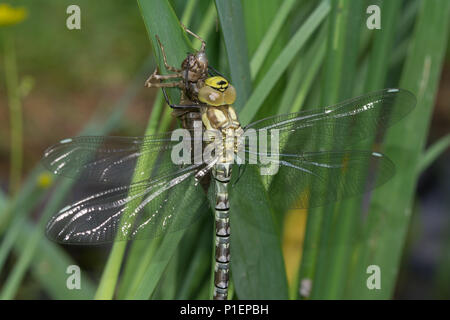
(196, 37)
(159, 77)
(179, 106)
(170, 68)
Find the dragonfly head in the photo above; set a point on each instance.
(217, 91)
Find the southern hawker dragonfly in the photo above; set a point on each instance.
(147, 194)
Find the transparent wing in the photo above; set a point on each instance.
(110, 159)
(142, 210)
(345, 123)
(313, 179)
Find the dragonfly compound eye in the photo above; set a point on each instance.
(229, 95)
(217, 92)
(211, 96)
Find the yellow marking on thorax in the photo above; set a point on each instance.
(217, 82)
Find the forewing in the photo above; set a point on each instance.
(343, 124)
(143, 210)
(112, 159)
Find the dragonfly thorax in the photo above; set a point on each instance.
(219, 115)
(223, 125)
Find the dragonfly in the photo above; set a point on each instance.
(147, 194)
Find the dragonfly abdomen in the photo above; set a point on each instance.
(222, 176)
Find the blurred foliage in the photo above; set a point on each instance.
(111, 43)
(10, 15)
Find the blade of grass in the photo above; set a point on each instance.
(256, 258)
(309, 59)
(348, 212)
(433, 152)
(167, 286)
(145, 251)
(196, 242)
(233, 29)
(207, 25)
(382, 46)
(164, 253)
(257, 20)
(335, 51)
(188, 12)
(303, 75)
(355, 19)
(308, 81)
(280, 65)
(318, 222)
(15, 111)
(110, 274)
(198, 267)
(270, 36)
(311, 237)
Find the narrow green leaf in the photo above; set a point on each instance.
(207, 25)
(433, 152)
(198, 267)
(280, 65)
(256, 260)
(233, 30)
(319, 225)
(270, 36)
(382, 46)
(333, 266)
(188, 12)
(303, 75)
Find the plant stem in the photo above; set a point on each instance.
(15, 112)
(106, 288)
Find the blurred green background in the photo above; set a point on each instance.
(66, 80)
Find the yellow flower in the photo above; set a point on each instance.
(44, 180)
(10, 16)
